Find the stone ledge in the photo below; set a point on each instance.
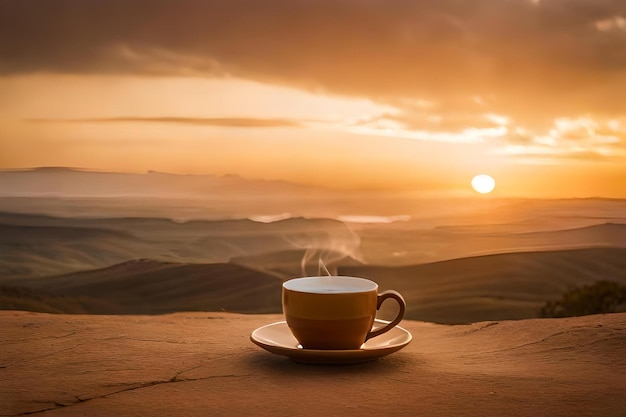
(203, 364)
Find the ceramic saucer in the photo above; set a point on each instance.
(278, 339)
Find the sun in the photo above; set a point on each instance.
(483, 183)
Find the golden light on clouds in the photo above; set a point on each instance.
(617, 23)
(382, 94)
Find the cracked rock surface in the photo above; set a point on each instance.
(203, 364)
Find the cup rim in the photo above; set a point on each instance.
(358, 285)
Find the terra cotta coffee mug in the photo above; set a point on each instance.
(335, 312)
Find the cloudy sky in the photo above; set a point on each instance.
(393, 94)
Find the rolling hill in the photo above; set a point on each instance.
(30, 251)
(491, 287)
(494, 287)
(148, 287)
(388, 246)
(37, 245)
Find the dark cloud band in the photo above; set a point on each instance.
(531, 60)
(199, 121)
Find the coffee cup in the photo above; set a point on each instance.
(335, 312)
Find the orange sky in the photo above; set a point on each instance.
(411, 95)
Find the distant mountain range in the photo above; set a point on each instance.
(75, 182)
(73, 192)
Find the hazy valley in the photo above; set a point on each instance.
(67, 250)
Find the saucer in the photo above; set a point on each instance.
(278, 339)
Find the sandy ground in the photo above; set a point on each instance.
(203, 364)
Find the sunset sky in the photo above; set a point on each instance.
(385, 94)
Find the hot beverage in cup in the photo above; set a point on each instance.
(335, 312)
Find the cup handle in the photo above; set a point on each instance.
(382, 297)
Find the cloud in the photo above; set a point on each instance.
(583, 138)
(378, 48)
(443, 64)
(199, 121)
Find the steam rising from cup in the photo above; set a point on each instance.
(323, 249)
